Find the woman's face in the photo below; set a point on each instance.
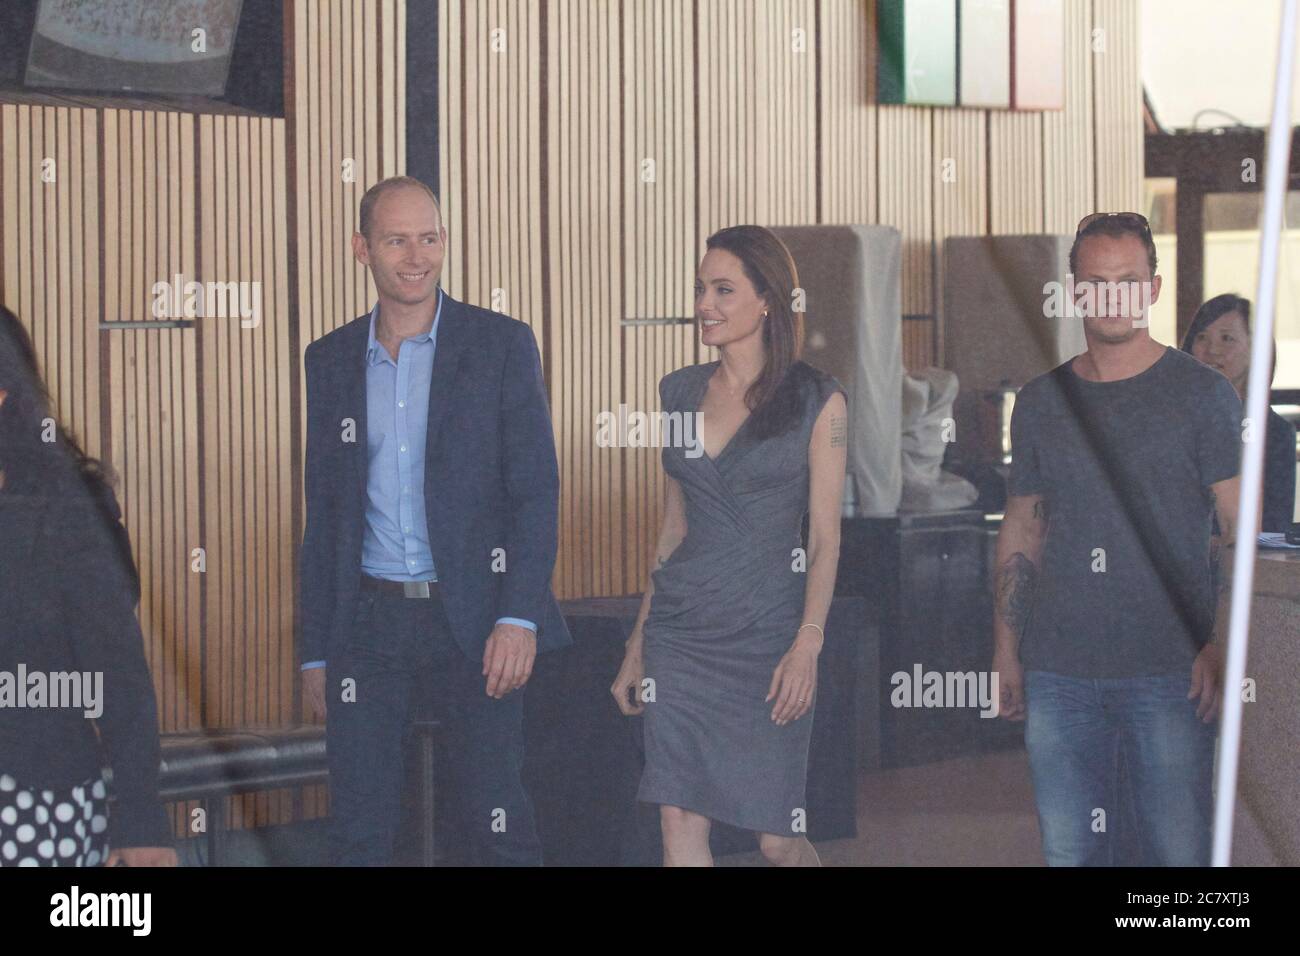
(727, 308)
(1224, 344)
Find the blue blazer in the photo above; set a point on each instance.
(491, 481)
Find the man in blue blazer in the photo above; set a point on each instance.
(432, 494)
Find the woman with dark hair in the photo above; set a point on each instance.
(70, 648)
(1219, 337)
(722, 660)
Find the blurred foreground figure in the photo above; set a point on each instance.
(71, 653)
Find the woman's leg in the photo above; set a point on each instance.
(686, 837)
(788, 851)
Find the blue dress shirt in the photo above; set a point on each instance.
(395, 546)
(396, 542)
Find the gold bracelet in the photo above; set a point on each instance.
(819, 630)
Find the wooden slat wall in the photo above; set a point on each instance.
(584, 217)
(1015, 173)
(247, 438)
(1068, 158)
(846, 34)
(348, 59)
(959, 172)
(49, 270)
(757, 114)
(905, 178)
(657, 175)
(494, 227)
(1117, 96)
(742, 129)
(154, 399)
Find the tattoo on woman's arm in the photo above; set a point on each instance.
(1017, 579)
(839, 431)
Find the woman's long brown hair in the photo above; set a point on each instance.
(33, 465)
(771, 270)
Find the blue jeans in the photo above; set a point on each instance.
(1076, 730)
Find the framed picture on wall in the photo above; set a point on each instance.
(917, 52)
(1038, 55)
(984, 54)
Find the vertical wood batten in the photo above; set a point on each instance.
(1118, 98)
(1068, 134)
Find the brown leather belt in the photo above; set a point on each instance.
(403, 589)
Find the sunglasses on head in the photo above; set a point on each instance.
(1128, 218)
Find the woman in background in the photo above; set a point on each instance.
(730, 627)
(1219, 337)
(68, 590)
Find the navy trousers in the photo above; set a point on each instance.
(402, 650)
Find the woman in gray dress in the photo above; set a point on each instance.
(722, 661)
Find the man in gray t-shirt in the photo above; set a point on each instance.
(1124, 587)
(1107, 606)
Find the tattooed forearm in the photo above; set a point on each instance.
(1216, 564)
(1221, 552)
(1225, 525)
(839, 431)
(1222, 540)
(1017, 579)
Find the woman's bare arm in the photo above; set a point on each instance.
(827, 460)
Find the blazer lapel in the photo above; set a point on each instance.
(451, 342)
(353, 361)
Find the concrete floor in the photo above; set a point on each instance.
(971, 811)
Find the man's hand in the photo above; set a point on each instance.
(313, 691)
(1207, 681)
(142, 856)
(1011, 684)
(508, 658)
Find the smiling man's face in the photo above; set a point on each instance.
(405, 246)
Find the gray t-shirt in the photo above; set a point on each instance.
(1125, 467)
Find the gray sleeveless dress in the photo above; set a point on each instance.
(726, 607)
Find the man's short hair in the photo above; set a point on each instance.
(1114, 227)
(387, 185)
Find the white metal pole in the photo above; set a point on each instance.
(1252, 452)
